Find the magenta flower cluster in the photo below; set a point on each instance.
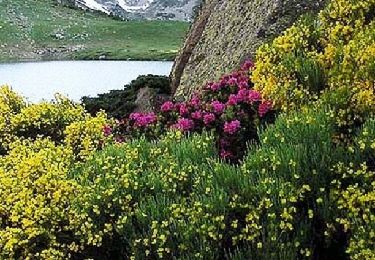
(107, 130)
(230, 107)
(232, 127)
(143, 119)
(184, 124)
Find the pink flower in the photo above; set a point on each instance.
(225, 154)
(223, 83)
(197, 115)
(232, 100)
(183, 109)
(264, 108)
(218, 106)
(107, 130)
(208, 118)
(242, 95)
(134, 116)
(215, 87)
(243, 84)
(167, 106)
(247, 65)
(232, 127)
(143, 120)
(232, 81)
(195, 101)
(184, 124)
(254, 96)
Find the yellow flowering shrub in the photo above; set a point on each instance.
(357, 202)
(35, 195)
(292, 197)
(119, 188)
(87, 135)
(338, 47)
(46, 119)
(10, 104)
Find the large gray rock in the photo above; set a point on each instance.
(226, 33)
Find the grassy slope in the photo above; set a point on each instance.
(28, 27)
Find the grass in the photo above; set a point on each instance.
(41, 29)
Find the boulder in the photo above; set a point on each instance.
(228, 32)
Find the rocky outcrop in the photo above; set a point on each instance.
(228, 32)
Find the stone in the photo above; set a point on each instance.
(226, 33)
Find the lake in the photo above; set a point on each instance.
(41, 80)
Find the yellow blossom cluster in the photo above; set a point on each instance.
(85, 136)
(10, 104)
(357, 202)
(35, 195)
(46, 119)
(333, 52)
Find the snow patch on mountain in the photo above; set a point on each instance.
(131, 8)
(92, 4)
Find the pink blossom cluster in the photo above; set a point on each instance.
(143, 119)
(218, 107)
(230, 107)
(184, 124)
(232, 127)
(107, 130)
(167, 106)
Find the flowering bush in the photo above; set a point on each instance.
(88, 135)
(230, 108)
(10, 104)
(46, 119)
(35, 196)
(333, 52)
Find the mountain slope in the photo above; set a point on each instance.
(141, 9)
(43, 29)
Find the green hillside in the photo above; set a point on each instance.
(41, 29)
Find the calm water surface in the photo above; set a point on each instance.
(41, 80)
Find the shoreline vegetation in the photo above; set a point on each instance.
(43, 30)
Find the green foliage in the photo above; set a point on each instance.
(120, 103)
(308, 72)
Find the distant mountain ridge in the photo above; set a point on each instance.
(141, 9)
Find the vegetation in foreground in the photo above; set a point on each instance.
(304, 189)
(41, 29)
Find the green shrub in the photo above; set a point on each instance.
(120, 103)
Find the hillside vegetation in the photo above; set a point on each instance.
(274, 161)
(41, 29)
